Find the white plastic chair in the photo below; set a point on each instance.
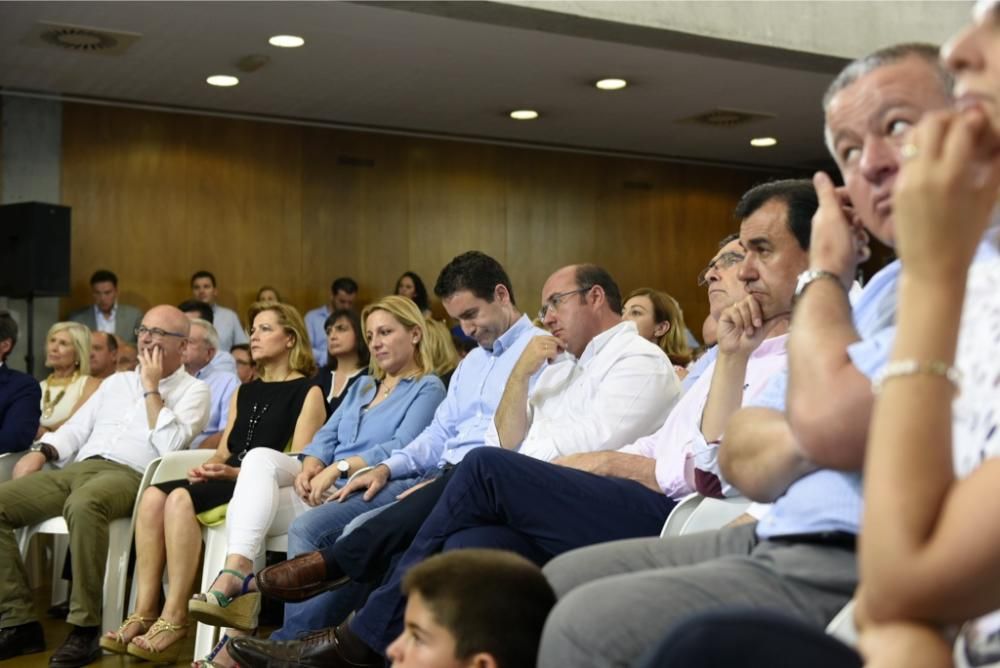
(696, 513)
(120, 533)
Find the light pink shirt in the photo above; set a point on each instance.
(679, 442)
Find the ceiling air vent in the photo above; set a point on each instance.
(81, 38)
(725, 118)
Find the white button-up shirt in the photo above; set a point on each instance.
(622, 388)
(113, 422)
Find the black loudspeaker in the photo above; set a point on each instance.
(34, 250)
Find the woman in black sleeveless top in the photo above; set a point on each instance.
(282, 410)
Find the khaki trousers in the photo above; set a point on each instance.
(89, 494)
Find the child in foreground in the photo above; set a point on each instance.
(477, 608)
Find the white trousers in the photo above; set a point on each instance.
(264, 503)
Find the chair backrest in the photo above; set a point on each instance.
(696, 513)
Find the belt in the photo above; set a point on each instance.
(839, 539)
(101, 457)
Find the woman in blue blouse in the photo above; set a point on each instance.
(380, 413)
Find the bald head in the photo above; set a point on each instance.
(167, 328)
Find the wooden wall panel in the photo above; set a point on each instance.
(156, 196)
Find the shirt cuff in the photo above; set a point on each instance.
(399, 466)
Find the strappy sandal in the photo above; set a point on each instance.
(216, 609)
(118, 644)
(166, 654)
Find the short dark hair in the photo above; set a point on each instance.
(589, 275)
(245, 347)
(420, 290)
(360, 344)
(103, 276)
(798, 195)
(489, 600)
(344, 284)
(889, 56)
(473, 271)
(111, 339)
(203, 273)
(204, 310)
(8, 330)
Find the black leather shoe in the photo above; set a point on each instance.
(24, 639)
(322, 648)
(82, 646)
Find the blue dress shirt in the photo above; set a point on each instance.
(354, 431)
(315, 319)
(473, 395)
(221, 385)
(828, 500)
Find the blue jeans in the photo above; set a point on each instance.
(320, 527)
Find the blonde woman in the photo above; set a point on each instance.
(442, 349)
(69, 385)
(658, 318)
(380, 413)
(282, 408)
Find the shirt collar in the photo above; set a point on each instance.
(507, 339)
(114, 310)
(598, 343)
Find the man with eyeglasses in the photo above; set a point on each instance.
(724, 290)
(99, 456)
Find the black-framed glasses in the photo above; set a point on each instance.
(555, 300)
(155, 332)
(724, 261)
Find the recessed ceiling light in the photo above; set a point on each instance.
(223, 80)
(761, 142)
(524, 114)
(611, 84)
(286, 41)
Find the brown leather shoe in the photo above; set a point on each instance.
(328, 647)
(298, 579)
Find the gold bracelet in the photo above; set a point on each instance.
(912, 367)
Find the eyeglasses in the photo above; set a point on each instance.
(557, 299)
(724, 261)
(155, 332)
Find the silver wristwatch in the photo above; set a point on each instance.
(810, 275)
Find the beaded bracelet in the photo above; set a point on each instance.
(912, 367)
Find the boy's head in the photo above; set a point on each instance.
(482, 608)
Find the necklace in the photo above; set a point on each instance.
(48, 403)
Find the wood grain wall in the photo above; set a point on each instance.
(156, 196)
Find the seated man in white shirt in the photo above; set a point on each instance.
(132, 418)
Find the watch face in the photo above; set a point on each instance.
(343, 467)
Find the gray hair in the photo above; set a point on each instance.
(889, 56)
(211, 333)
